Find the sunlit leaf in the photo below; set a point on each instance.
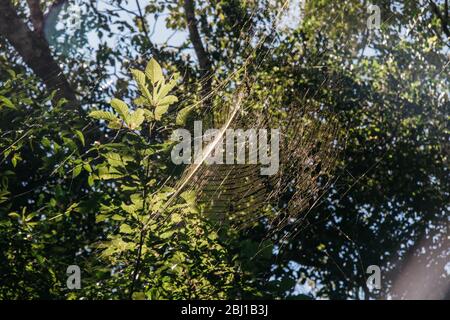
(153, 71)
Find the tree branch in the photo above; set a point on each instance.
(142, 18)
(36, 16)
(203, 59)
(442, 17)
(202, 55)
(35, 52)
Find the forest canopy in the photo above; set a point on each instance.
(93, 95)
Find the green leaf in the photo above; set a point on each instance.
(116, 124)
(160, 111)
(91, 180)
(46, 142)
(183, 115)
(110, 176)
(167, 234)
(100, 218)
(8, 103)
(80, 136)
(87, 167)
(14, 215)
(139, 77)
(106, 209)
(72, 207)
(149, 115)
(168, 100)
(166, 88)
(153, 71)
(188, 196)
(141, 101)
(114, 159)
(124, 228)
(138, 296)
(103, 115)
(121, 108)
(176, 218)
(136, 119)
(16, 157)
(61, 102)
(117, 217)
(12, 73)
(76, 171)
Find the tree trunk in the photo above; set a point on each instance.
(34, 50)
(200, 51)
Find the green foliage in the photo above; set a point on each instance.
(92, 191)
(170, 250)
(43, 217)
